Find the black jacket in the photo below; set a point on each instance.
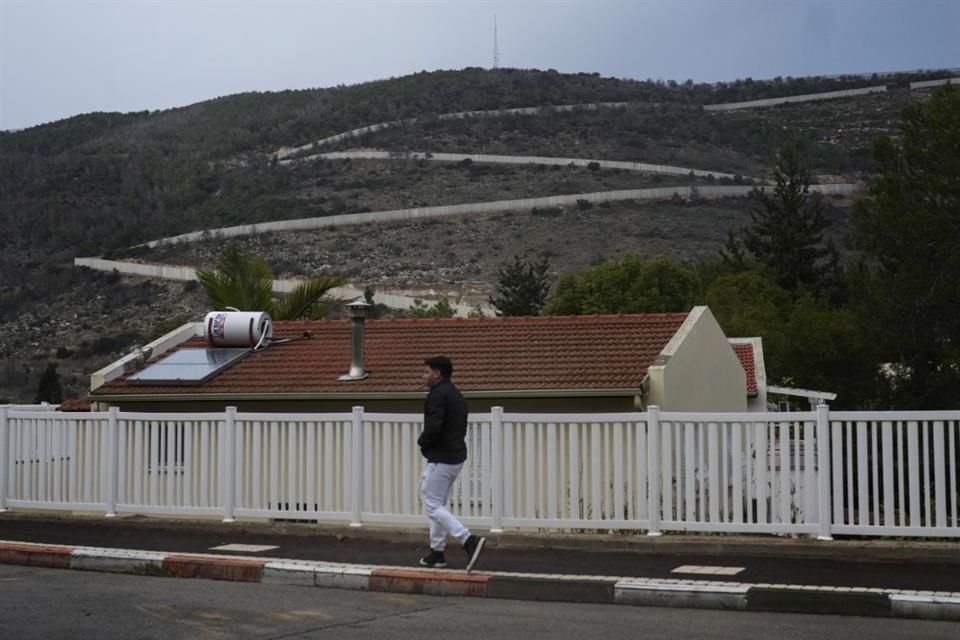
(444, 425)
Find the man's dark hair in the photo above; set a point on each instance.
(441, 364)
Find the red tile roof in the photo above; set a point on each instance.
(745, 354)
(75, 404)
(489, 354)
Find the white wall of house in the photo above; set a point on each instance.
(698, 369)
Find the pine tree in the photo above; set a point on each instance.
(910, 228)
(786, 234)
(522, 287)
(49, 388)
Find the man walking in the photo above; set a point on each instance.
(443, 444)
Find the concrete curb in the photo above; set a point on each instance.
(660, 594)
(697, 594)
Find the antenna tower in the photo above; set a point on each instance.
(496, 48)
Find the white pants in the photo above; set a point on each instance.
(435, 485)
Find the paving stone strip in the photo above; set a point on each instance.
(665, 592)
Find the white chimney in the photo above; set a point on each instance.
(358, 315)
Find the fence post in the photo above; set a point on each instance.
(356, 468)
(824, 473)
(496, 424)
(653, 469)
(228, 462)
(113, 460)
(5, 465)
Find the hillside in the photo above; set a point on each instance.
(97, 184)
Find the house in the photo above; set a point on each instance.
(603, 363)
(761, 394)
(750, 353)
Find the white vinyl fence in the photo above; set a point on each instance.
(819, 473)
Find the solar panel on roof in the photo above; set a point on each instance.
(189, 366)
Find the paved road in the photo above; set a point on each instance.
(47, 604)
(838, 570)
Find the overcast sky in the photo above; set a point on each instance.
(61, 58)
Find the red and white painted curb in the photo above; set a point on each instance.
(701, 594)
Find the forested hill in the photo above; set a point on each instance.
(102, 181)
(267, 120)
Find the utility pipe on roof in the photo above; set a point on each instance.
(358, 316)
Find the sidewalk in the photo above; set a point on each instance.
(852, 577)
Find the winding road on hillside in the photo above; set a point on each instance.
(288, 155)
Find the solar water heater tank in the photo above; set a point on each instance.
(238, 329)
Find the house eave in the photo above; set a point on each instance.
(801, 393)
(395, 395)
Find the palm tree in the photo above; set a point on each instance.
(246, 283)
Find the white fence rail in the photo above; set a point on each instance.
(816, 473)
